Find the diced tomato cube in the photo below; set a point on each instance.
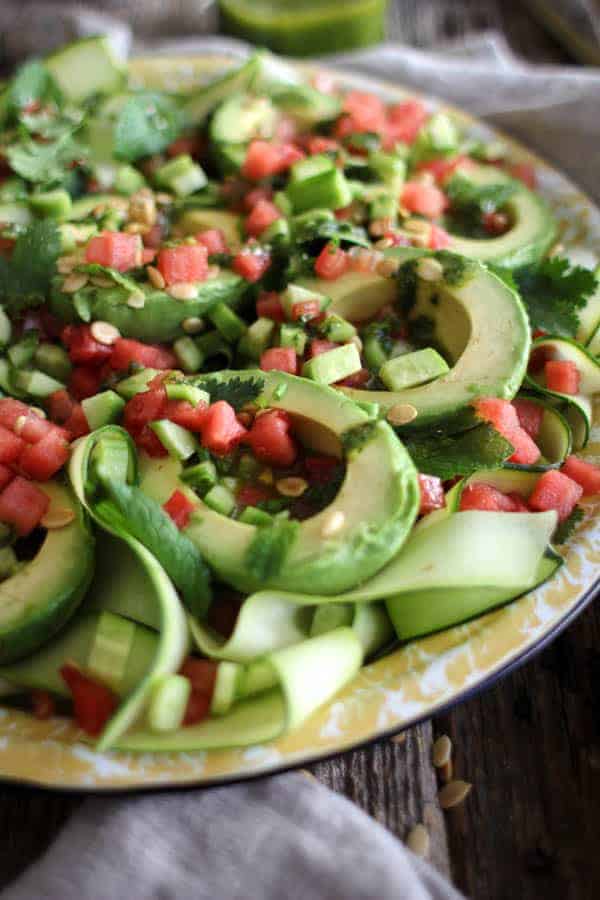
(424, 199)
(432, 494)
(444, 167)
(42, 704)
(251, 263)
(331, 262)
(562, 375)
(320, 468)
(84, 349)
(262, 215)
(305, 309)
(270, 439)
(11, 446)
(84, 382)
(115, 249)
(22, 505)
(584, 473)
(152, 356)
(6, 475)
(186, 262)
(530, 415)
(556, 491)
(356, 380)
(282, 359)
(318, 346)
(404, 121)
(145, 407)
(526, 451)
(486, 497)
(268, 306)
(10, 411)
(438, 238)
(251, 495)
(43, 460)
(93, 703)
(148, 441)
(77, 424)
(221, 430)
(214, 241)
(179, 508)
(32, 427)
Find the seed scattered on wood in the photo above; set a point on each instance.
(57, 517)
(453, 793)
(418, 841)
(74, 282)
(430, 269)
(193, 325)
(155, 277)
(387, 267)
(183, 290)
(136, 301)
(402, 414)
(442, 751)
(291, 486)
(333, 523)
(104, 333)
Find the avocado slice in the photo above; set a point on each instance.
(377, 521)
(476, 321)
(160, 318)
(354, 296)
(38, 600)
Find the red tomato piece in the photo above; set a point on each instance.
(270, 439)
(318, 346)
(562, 375)
(115, 249)
(42, 704)
(404, 121)
(251, 263)
(151, 356)
(530, 416)
(556, 491)
(6, 475)
(183, 413)
(424, 199)
(214, 241)
(179, 508)
(84, 382)
(251, 495)
(281, 359)
(93, 703)
(145, 407)
(305, 309)
(22, 505)
(438, 238)
(43, 460)
(263, 214)
(331, 262)
(584, 473)
(432, 494)
(268, 306)
(186, 262)
(221, 430)
(10, 411)
(11, 446)
(486, 497)
(84, 349)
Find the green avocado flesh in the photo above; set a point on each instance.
(161, 317)
(480, 326)
(39, 599)
(375, 523)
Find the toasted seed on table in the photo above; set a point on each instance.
(441, 751)
(401, 414)
(453, 793)
(74, 282)
(291, 486)
(193, 325)
(430, 269)
(183, 290)
(418, 840)
(155, 277)
(334, 523)
(104, 332)
(57, 518)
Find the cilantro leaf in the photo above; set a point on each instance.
(25, 277)
(461, 454)
(270, 546)
(131, 511)
(553, 291)
(44, 163)
(236, 391)
(566, 529)
(470, 201)
(32, 82)
(147, 124)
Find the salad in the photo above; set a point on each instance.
(288, 376)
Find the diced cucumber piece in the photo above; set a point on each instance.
(37, 384)
(412, 369)
(227, 322)
(257, 338)
(374, 353)
(134, 384)
(252, 515)
(224, 692)
(334, 365)
(128, 180)
(181, 175)
(51, 204)
(293, 336)
(188, 355)
(220, 499)
(310, 167)
(102, 409)
(182, 390)
(279, 230)
(85, 68)
(329, 189)
(5, 328)
(384, 205)
(389, 167)
(110, 649)
(294, 293)
(231, 483)
(168, 703)
(54, 361)
(281, 201)
(22, 353)
(111, 460)
(438, 136)
(337, 329)
(202, 477)
(329, 616)
(179, 442)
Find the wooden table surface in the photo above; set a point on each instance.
(530, 745)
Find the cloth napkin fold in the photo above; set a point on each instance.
(285, 837)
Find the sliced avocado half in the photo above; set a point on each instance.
(355, 296)
(39, 599)
(478, 323)
(378, 497)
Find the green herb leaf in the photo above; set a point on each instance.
(553, 291)
(32, 82)
(133, 512)
(236, 391)
(147, 124)
(268, 551)
(461, 454)
(470, 201)
(25, 277)
(566, 529)
(44, 163)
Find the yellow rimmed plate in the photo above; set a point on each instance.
(412, 683)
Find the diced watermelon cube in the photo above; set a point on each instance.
(331, 263)
(404, 121)
(268, 306)
(432, 494)
(214, 241)
(251, 263)
(6, 475)
(281, 359)
(486, 497)
(556, 491)
(32, 427)
(526, 450)
(115, 249)
(562, 375)
(22, 505)
(185, 263)
(11, 446)
(179, 508)
(263, 214)
(530, 415)
(151, 356)
(221, 431)
(499, 413)
(43, 460)
(10, 411)
(424, 199)
(270, 439)
(584, 473)
(183, 413)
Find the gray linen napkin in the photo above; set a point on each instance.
(284, 838)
